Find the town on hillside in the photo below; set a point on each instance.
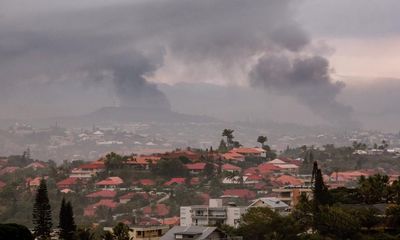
(217, 192)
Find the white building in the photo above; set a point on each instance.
(210, 215)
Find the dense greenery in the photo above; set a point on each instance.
(66, 221)
(14, 231)
(42, 213)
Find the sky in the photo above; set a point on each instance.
(306, 61)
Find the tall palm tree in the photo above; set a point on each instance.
(228, 133)
(262, 140)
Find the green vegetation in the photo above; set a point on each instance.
(42, 213)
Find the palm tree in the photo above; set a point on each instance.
(262, 140)
(228, 133)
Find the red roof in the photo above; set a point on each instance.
(8, 170)
(288, 180)
(67, 182)
(266, 168)
(254, 177)
(175, 181)
(2, 184)
(160, 210)
(230, 167)
(110, 181)
(195, 166)
(172, 221)
(130, 195)
(241, 193)
(92, 166)
(248, 150)
(102, 194)
(147, 182)
(194, 181)
(106, 203)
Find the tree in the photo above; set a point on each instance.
(42, 213)
(261, 223)
(121, 232)
(107, 235)
(320, 191)
(170, 168)
(228, 133)
(262, 140)
(85, 234)
(14, 231)
(337, 223)
(209, 170)
(66, 221)
(222, 146)
(374, 189)
(114, 161)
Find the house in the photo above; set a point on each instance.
(36, 165)
(8, 170)
(33, 184)
(146, 182)
(285, 167)
(268, 168)
(212, 214)
(88, 170)
(250, 152)
(233, 156)
(91, 209)
(67, 183)
(170, 222)
(291, 195)
(230, 168)
(195, 168)
(129, 196)
(175, 181)
(239, 193)
(273, 203)
(285, 180)
(102, 194)
(110, 183)
(142, 162)
(145, 232)
(194, 232)
(160, 210)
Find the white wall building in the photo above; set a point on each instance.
(211, 215)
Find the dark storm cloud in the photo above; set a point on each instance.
(128, 40)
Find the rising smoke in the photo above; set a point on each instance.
(255, 42)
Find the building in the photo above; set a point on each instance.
(145, 232)
(212, 214)
(250, 152)
(291, 195)
(273, 203)
(110, 183)
(87, 170)
(194, 232)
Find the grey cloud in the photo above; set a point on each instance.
(129, 40)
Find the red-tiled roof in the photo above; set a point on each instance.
(106, 203)
(2, 184)
(67, 182)
(175, 181)
(102, 194)
(172, 221)
(130, 195)
(110, 181)
(288, 180)
(248, 150)
(147, 182)
(160, 210)
(230, 167)
(194, 181)
(92, 166)
(241, 193)
(195, 166)
(7, 170)
(265, 168)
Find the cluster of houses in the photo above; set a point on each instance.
(275, 184)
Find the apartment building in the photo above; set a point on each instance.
(211, 215)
